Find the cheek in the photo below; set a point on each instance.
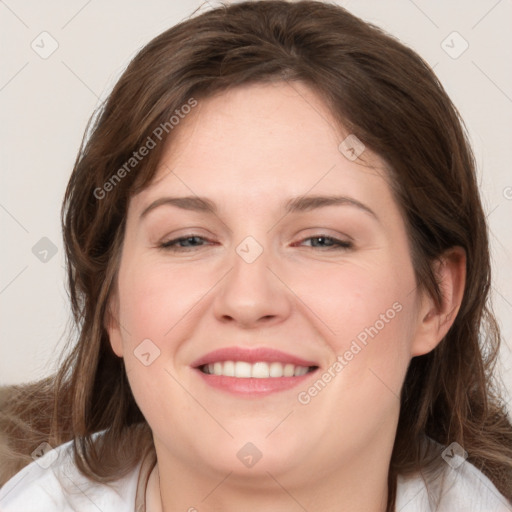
(370, 315)
(367, 315)
(153, 312)
(155, 299)
(357, 301)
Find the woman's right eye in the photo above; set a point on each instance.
(176, 243)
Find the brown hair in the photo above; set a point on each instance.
(379, 90)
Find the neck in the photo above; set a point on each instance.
(361, 487)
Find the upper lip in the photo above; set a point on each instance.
(253, 355)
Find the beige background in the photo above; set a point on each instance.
(46, 102)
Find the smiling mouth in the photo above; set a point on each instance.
(257, 370)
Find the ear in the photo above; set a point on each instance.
(112, 324)
(434, 321)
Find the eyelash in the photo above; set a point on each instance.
(338, 245)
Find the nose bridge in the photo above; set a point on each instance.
(251, 292)
(251, 264)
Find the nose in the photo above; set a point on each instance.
(252, 294)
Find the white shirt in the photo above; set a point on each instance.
(53, 483)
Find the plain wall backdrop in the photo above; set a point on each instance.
(60, 59)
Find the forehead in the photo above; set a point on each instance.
(257, 121)
(258, 141)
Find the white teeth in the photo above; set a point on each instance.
(228, 370)
(242, 370)
(258, 370)
(288, 370)
(276, 370)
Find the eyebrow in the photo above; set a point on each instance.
(292, 205)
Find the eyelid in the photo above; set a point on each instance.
(338, 244)
(187, 232)
(167, 243)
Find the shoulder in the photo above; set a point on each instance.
(53, 482)
(461, 488)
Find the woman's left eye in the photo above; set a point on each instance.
(332, 243)
(185, 243)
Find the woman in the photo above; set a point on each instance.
(278, 262)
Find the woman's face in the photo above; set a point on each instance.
(271, 284)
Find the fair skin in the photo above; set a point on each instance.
(249, 150)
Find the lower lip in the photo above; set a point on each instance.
(251, 386)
